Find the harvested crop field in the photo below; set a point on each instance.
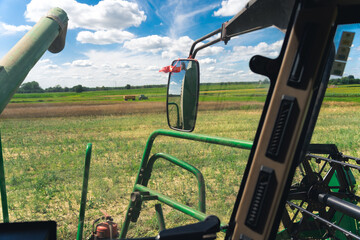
(34, 110)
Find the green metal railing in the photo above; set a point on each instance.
(174, 204)
(3, 187)
(142, 193)
(184, 165)
(84, 192)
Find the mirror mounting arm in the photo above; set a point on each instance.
(223, 38)
(202, 39)
(269, 13)
(204, 46)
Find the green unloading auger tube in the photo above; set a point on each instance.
(49, 33)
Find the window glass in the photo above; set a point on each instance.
(337, 130)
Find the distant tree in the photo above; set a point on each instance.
(127, 86)
(265, 81)
(57, 88)
(78, 88)
(30, 87)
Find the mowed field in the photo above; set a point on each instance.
(44, 139)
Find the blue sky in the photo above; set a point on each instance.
(119, 42)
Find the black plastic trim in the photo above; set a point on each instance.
(261, 200)
(298, 77)
(283, 128)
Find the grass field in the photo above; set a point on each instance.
(44, 158)
(217, 92)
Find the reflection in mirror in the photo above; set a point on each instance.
(183, 94)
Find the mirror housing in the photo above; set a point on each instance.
(183, 95)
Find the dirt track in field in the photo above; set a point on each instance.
(38, 110)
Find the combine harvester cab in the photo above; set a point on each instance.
(323, 204)
(322, 201)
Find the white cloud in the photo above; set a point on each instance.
(107, 14)
(134, 69)
(210, 51)
(153, 68)
(244, 53)
(178, 48)
(230, 7)
(47, 64)
(207, 60)
(169, 48)
(210, 69)
(123, 65)
(216, 36)
(155, 44)
(7, 29)
(139, 61)
(104, 37)
(51, 66)
(184, 16)
(241, 73)
(79, 63)
(44, 61)
(107, 18)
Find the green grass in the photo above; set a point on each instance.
(44, 158)
(154, 94)
(217, 92)
(44, 161)
(225, 92)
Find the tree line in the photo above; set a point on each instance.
(34, 87)
(344, 80)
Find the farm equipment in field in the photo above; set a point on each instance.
(143, 97)
(311, 189)
(129, 97)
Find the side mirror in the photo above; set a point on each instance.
(183, 94)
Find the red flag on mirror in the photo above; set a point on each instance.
(170, 69)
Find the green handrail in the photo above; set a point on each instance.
(84, 192)
(142, 179)
(174, 204)
(190, 136)
(184, 165)
(3, 187)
